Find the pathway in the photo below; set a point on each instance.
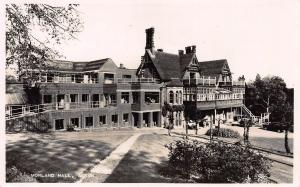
(102, 170)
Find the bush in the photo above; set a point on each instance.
(224, 132)
(217, 162)
(15, 175)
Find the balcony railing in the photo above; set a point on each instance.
(12, 112)
(231, 83)
(213, 97)
(67, 79)
(200, 81)
(137, 80)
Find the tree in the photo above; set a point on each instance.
(167, 112)
(31, 30)
(272, 94)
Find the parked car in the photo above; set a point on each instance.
(275, 126)
(191, 124)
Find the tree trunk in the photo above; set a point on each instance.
(286, 141)
(186, 130)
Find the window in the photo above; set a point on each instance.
(151, 97)
(47, 98)
(73, 98)
(171, 97)
(59, 124)
(88, 121)
(85, 98)
(135, 97)
(125, 117)
(113, 98)
(125, 97)
(108, 78)
(75, 122)
(114, 118)
(102, 120)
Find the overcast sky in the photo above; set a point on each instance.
(259, 36)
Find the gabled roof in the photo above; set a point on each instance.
(166, 64)
(185, 60)
(63, 65)
(212, 68)
(95, 65)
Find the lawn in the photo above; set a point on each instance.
(143, 163)
(60, 156)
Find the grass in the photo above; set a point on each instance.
(144, 162)
(62, 155)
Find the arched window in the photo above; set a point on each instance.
(171, 97)
(177, 97)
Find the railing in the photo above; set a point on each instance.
(12, 112)
(213, 97)
(238, 83)
(67, 79)
(137, 80)
(200, 81)
(231, 83)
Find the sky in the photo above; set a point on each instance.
(255, 36)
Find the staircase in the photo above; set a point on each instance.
(248, 112)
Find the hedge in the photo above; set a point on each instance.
(218, 162)
(224, 132)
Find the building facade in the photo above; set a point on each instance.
(99, 94)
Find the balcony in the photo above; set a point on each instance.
(82, 79)
(218, 104)
(231, 83)
(207, 81)
(136, 80)
(12, 112)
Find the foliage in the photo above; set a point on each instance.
(32, 30)
(13, 174)
(217, 162)
(224, 132)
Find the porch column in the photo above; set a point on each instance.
(140, 120)
(150, 118)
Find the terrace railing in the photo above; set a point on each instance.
(136, 80)
(200, 81)
(12, 112)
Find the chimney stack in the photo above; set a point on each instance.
(122, 66)
(193, 49)
(188, 49)
(149, 39)
(180, 52)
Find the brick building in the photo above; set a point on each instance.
(99, 94)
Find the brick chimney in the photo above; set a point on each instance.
(122, 66)
(188, 49)
(149, 39)
(193, 49)
(180, 52)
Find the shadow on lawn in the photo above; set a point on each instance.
(145, 163)
(51, 156)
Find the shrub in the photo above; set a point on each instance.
(15, 175)
(224, 132)
(217, 162)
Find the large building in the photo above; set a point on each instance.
(99, 94)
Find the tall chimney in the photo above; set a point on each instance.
(188, 49)
(193, 49)
(180, 52)
(149, 38)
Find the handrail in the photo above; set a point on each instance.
(12, 112)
